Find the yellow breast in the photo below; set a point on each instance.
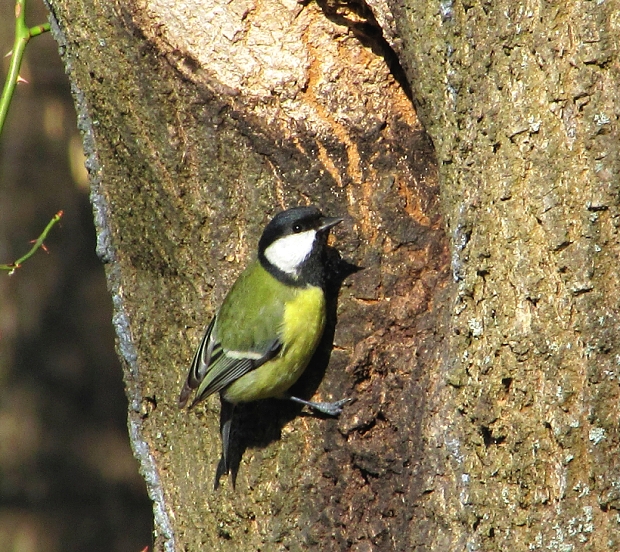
(300, 332)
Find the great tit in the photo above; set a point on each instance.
(270, 323)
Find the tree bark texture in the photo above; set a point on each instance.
(521, 102)
(484, 360)
(200, 121)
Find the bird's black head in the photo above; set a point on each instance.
(292, 246)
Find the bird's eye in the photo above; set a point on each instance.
(297, 228)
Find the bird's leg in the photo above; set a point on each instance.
(331, 409)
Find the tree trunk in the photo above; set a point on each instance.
(521, 102)
(485, 394)
(200, 121)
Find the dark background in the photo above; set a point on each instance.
(68, 480)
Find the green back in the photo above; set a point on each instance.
(261, 298)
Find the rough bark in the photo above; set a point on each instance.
(201, 120)
(521, 102)
(486, 409)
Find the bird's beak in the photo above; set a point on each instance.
(328, 222)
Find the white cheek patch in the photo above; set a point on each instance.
(289, 252)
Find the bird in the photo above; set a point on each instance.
(270, 323)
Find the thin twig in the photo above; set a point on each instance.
(38, 243)
(22, 35)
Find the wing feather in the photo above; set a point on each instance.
(214, 368)
(232, 345)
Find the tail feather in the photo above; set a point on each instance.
(226, 418)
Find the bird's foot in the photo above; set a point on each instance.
(329, 408)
